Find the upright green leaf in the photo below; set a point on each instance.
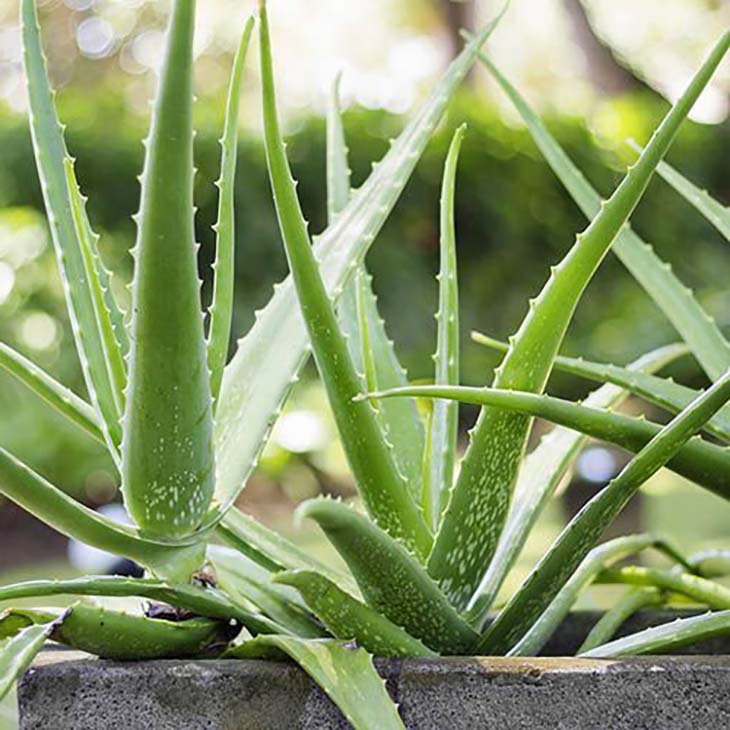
(167, 455)
(675, 300)
(379, 482)
(479, 502)
(221, 308)
(438, 468)
(338, 168)
(343, 671)
(391, 580)
(577, 539)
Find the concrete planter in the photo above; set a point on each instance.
(66, 691)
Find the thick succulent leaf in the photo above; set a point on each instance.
(343, 671)
(18, 652)
(221, 308)
(479, 502)
(167, 455)
(259, 377)
(33, 493)
(241, 578)
(597, 560)
(711, 563)
(667, 637)
(58, 396)
(338, 167)
(440, 451)
(675, 300)
(391, 580)
(698, 460)
(634, 600)
(347, 618)
(207, 601)
(540, 475)
(51, 157)
(380, 484)
(584, 530)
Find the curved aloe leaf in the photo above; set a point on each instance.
(479, 502)
(699, 589)
(596, 561)
(343, 671)
(167, 455)
(675, 300)
(379, 482)
(700, 461)
(578, 538)
(540, 475)
(667, 637)
(440, 451)
(51, 157)
(259, 377)
(58, 396)
(221, 308)
(710, 563)
(392, 581)
(347, 618)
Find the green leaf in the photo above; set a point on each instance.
(347, 618)
(677, 302)
(440, 451)
(667, 637)
(51, 159)
(221, 308)
(477, 509)
(259, 377)
(391, 580)
(344, 672)
(379, 482)
(635, 599)
(58, 396)
(711, 563)
(540, 475)
(578, 538)
(338, 168)
(167, 455)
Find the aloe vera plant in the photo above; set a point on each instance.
(428, 552)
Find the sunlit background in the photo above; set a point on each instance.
(600, 71)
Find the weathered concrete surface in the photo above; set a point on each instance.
(67, 691)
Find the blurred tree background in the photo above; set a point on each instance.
(599, 70)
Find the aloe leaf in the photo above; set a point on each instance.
(207, 602)
(596, 561)
(58, 396)
(477, 509)
(221, 308)
(710, 563)
(391, 580)
(167, 455)
(540, 475)
(259, 377)
(440, 451)
(338, 167)
(379, 482)
(667, 637)
(662, 391)
(578, 538)
(676, 301)
(17, 653)
(698, 460)
(343, 671)
(347, 618)
(51, 158)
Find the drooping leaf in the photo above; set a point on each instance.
(380, 484)
(477, 509)
(221, 308)
(347, 618)
(167, 456)
(391, 580)
(343, 671)
(581, 534)
(676, 301)
(438, 468)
